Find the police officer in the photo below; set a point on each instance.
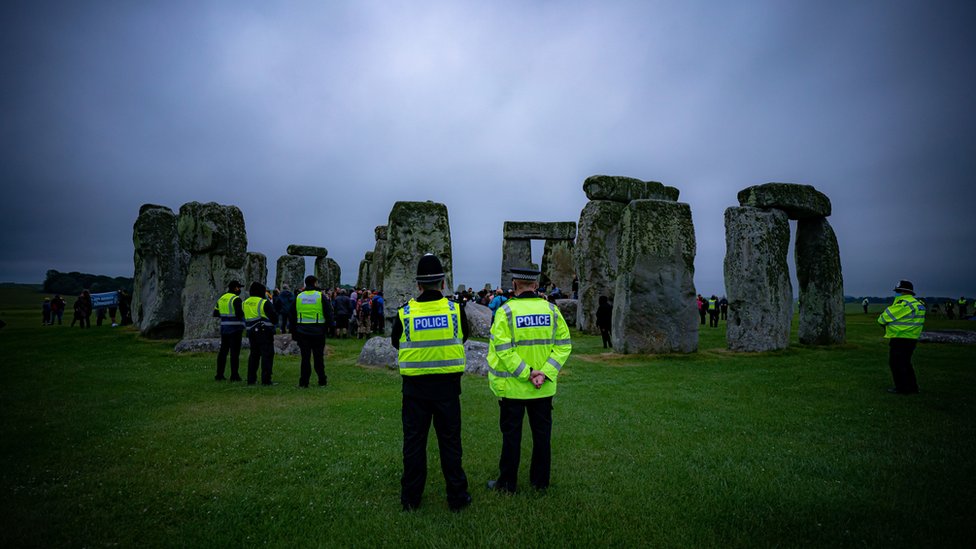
(713, 312)
(962, 308)
(903, 321)
(260, 319)
(429, 334)
(310, 318)
(230, 311)
(530, 343)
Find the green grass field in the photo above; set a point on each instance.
(110, 439)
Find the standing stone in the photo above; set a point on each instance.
(290, 271)
(757, 279)
(216, 238)
(160, 273)
(362, 277)
(479, 319)
(568, 308)
(516, 252)
(415, 228)
(653, 308)
(821, 283)
(379, 257)
(557, 265)
(255, 270)
(328, 272)
(596, 256)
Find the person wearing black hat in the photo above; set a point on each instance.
(260, 319)
(230, 311)
(309, 319)
(529, 345)
(429, 334)
(903, 321)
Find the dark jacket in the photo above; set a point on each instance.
(604, 316)
(343, 306)
(431, 386)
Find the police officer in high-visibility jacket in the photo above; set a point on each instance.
(963, 313)
(260, 319)
(230, 311)
(530, 343)
(309, 319)
(903, 321)
(713, 312)
(429, 334)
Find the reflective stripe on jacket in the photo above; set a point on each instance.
(308, 307)
(254, 316)
(432, 341)
(527, 334)
(903, 318)
(712, 304)
(229, 323)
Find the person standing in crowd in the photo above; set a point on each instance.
(84, 304)
(429, 334)
(260, 320)
(46, 312)
(363, 316)
(864, 305)
(713, 312)
(230, 310)
(310, 318)
(287, 300)
(343, 311)
(125, 308)
(950, 310)
(604, 320)
(530, 344)
(575, 287)
(497, 302)
(702, 308)
(57, 308)
(903, 321)
(723, 305)
(963, 305)
(376, 313)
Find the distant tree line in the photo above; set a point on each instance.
(887, 300)
(74, 282)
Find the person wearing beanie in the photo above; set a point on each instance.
(310, 317)
(429, 334)
(230, 310)
(260, 319)
(903, 321)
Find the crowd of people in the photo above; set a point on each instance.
(120, 314)
(714, 308)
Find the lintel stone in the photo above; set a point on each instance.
(537, 230)
(312, 251)
(625, 189)
(798, 201)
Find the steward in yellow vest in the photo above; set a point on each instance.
(429, 335)
(713, 312)
(260, 319)
(903, 321)
(530, 343)
(963, 313)
(231, 314)
(310, 318)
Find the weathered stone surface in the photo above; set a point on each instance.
(539, 230)
(214, 229)
(207, 277)
(311, 251)
(624, 189)
(798, 201)
(290, 271)
(328, 272)
(558, 267)
(568, 308)
(379, 257)
(515, 253)
(362, 278)
(757, 279)
(596, 256)
(415, 228)
(378, 352)
(160, 272)
(653, 308)
(255, 270)
(381, 232)
(479, 319)
(369, 256)
(283, 345)
(821, 282)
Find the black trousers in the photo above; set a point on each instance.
(230, 343)
(725, 313)
(262, 351)
(511, 412)
(313, 349)
(713, 319)
(900, 361)
(605, 334)
(417, 414)
(702, 313)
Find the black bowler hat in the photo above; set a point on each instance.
(519, 273)
(234, 284)
(905, 286)
(429, 269)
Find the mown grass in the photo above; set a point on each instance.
(111, 439)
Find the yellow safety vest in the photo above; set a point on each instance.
(527, 334)
(904, 318)
(254, 316)
(712, 304)
(962, 302)
(229, 322)
(308, 307)
(432, 341)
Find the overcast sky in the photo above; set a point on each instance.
(315, 117)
